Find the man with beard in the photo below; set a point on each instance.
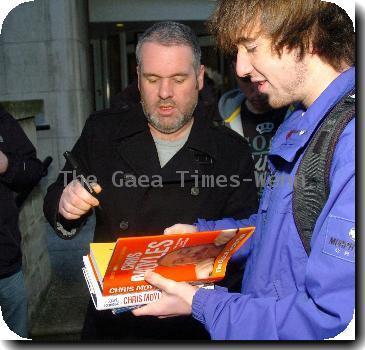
(155, 163)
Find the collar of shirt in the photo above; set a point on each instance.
(298, 128)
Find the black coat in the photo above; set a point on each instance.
(119, 142)
(24, 171)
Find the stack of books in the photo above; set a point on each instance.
(114, 272)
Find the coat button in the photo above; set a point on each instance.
(124, 225)
(194, 191)
(124, 107)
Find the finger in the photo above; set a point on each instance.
(67, 215)
(70, 196)
(179, 228)
(162, 283)
(96, 187)
(77, 202)
(78, 190)
(171, 230)
(80, 209)
(148, 310)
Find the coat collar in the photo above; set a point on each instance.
(298, 128)
(200, 139)
(134, 142)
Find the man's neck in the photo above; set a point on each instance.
(175, 136)
(322, 75)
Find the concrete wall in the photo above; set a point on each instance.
(148, 10)
(44, 52)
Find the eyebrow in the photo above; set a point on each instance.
(243, 40)
(148, 75)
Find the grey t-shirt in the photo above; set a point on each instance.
(167, 149)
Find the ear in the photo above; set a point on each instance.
(311, 49)
(200, 77)
(138, 75)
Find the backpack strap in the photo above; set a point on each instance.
(311, 184)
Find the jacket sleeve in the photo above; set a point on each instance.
(24, 169)
(320, 308)
(67, 229)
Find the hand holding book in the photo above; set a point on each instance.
(116, 272)
(176, 298)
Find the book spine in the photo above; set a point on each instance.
(118, 286)
(102, 302)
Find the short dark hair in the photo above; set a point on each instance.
(290, 23)
(169, 34)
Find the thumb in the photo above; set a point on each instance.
(160, 282)
(96, 187)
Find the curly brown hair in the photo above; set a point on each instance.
(300, 24)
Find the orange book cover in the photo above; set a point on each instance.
(199, 257)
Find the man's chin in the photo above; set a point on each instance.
(166, 130)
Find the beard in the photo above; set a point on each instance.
(175, 122)
(293, 89)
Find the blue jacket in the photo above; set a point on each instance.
(286, 294)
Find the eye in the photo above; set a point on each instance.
(179, 80)
(152, 80)
(251, 49)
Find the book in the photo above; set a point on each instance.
(197, 258)
(126, 300)
(118, 303)
(100, 254)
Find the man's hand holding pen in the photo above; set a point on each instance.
(76, 200)
(78, 197)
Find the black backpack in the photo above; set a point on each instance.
(311, 185)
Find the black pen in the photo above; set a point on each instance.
(80, 174)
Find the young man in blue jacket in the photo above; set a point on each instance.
(298, 52)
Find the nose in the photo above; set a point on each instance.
(243, 64)
(165, 89)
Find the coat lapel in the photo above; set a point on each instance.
(133, 142)
(198, 154)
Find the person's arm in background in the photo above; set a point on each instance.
(19, 167)
(67, 205)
